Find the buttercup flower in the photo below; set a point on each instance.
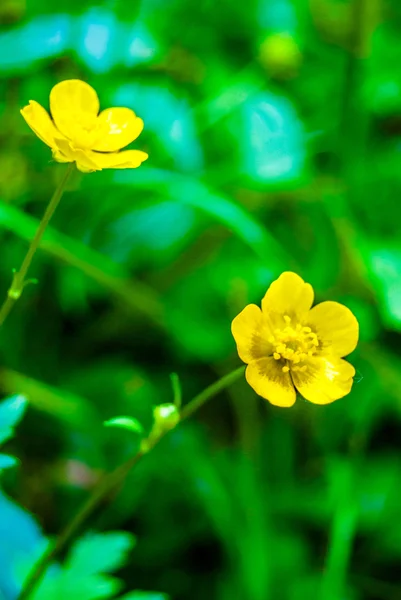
(78, 132)
(289, 346)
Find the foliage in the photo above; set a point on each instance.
(84, 574)
(11, 411)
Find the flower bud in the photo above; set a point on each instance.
(280, 55)
(166, 417)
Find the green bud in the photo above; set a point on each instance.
(166, 417)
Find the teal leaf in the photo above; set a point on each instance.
(274, 149)
(20, 539)
(43, 37)
(5, 434)
(169, 118)
(11, 411)
(7, 461)
(125, 423)
(384, 264)
(195, 193)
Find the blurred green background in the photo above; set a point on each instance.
(273, 129)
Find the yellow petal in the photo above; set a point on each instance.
(74, 106)
(288, 295)
(117, 127)
(325, 380)
(40, 122)
(251, 334)
(59, 156)
(266, 377)
(129, 159)
(336, 327)
(65, 152)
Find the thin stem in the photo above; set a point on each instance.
(114, 480)
(19, 278)
(210, 391)
(342, 533)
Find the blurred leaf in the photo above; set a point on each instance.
(7, 461)
(102, 552)
(169, 118)
(11, 411)
(60, 403)
(125, 423)
(5, 434)
(20, 540)
(140, 595)
(197, 194)
(144, 233)
(273, 148)
(98, 267)
(384, 263)
(83, 574)
(43, 37)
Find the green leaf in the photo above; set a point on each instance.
(101, 552)
(125, 423)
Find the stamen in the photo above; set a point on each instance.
(295, 344)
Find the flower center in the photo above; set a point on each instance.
(294, 344)
(84, 131)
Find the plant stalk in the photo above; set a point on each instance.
(19, 279)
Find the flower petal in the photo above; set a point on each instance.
(117, 128)
(325, 380)
(74, 106)
(266, 377)
(129, 159)
(65, 152)
(288, 295)
(40, 122)
(336, 327)
(251, 334)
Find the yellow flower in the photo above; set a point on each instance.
(78, 132)
(290, 346)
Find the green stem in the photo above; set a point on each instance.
(342, 533)
(112, 481)
(19, 278)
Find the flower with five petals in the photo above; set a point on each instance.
(290, 346)
(76, 131)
